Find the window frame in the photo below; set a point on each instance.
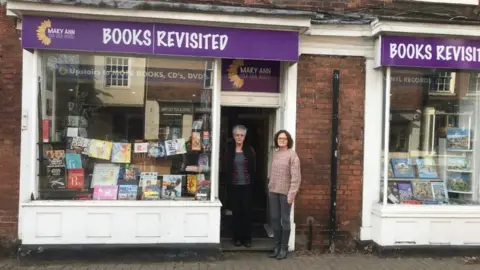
(128, 65)
(385, 150)
(37, 85)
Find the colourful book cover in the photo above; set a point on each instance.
(172, 186)
(56, 177)
(439, 192)
(55, 158)
(127, 192)
(105, 174)
(100, 149)
(81, 145)
(128, 175)
(393, 189)
(405, 191)
(105, 192)
(121, 152)
(422, 190)
(427, 168)
(457, 181)
(196, 143)
(191, 183)
(150, 186)
(458, 163)
(73, 160)
(203, 163)
(140, 148)
(458, 138)
(156, 149)
(148, 176)
(203, 190)
(75, 179)
(402, 168)
(206, 140)
(175, 147)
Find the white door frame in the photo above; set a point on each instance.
(285, 103)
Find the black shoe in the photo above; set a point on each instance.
(284, 247)
(237, 243)
(248, 244)
(277, 235)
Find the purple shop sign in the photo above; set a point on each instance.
(158, 39)
(250, 76)
(430, 52)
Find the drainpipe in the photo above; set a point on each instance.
(334, 159)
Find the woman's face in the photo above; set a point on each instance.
(239, 136)
(282, 140)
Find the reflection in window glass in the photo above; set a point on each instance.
(125, 128)
(432, 142)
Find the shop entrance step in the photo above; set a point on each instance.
(258, 244)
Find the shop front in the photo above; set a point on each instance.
(428, 147)
(125, 120)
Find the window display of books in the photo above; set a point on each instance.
(88, 168)
(442, 179)
(415, 181)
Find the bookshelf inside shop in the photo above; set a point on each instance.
(445, 172)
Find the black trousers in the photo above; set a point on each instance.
(241, 205)
(279, 211)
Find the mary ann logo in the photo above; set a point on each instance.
(46, 33)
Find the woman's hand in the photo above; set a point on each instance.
(290, 201)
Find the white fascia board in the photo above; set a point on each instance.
(412, 28)
(300, 24)
(343, 30)
(341, 46)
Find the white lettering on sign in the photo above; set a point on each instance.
(168, 39)
(191, 40)
(439, 53)
(135, 37)
(411, 51)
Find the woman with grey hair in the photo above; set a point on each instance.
(240, 169)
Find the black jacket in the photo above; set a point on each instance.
(229, 159)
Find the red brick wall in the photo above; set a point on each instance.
(314, 114)
(10, 101)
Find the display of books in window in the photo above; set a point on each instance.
(422, 190)
(139, 170)
(405, 191)
(172, 186)
(402, 168)
(426, 168)
(439, 192)
(458, 163)
(458, 182)
(458, 138)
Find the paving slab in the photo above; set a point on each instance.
(259, 261)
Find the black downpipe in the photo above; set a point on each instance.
(334, 158)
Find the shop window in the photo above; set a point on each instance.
(116, 71)
(442, 82)
(474, 83)
(432, 150)
(102, 140)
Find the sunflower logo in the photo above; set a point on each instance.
(63, 70)
(42, 32)
(233, 73)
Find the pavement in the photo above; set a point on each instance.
(244, 261)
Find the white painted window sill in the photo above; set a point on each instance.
(426, 211)
(453, 2)
(121, 203)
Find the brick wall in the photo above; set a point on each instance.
(313, 145)
(10, 100)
